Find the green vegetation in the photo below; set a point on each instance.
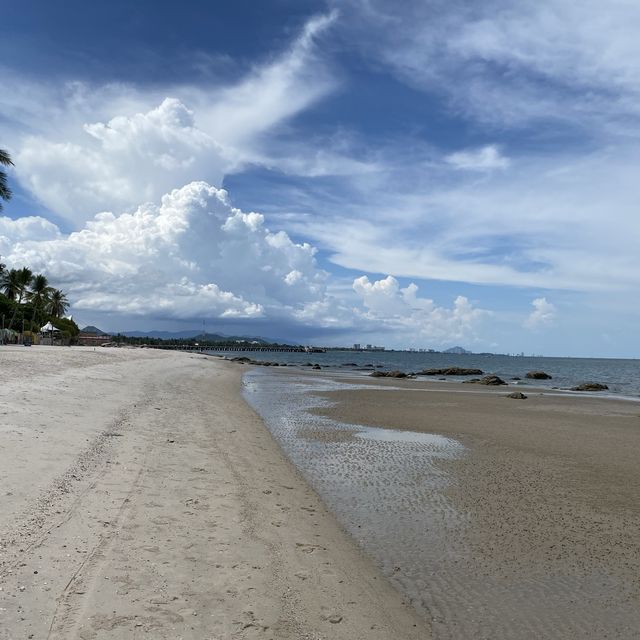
(27, 301)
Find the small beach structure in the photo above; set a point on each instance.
(49, 334)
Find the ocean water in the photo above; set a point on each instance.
(390, 491)
(621, 376)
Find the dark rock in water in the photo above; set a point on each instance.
(517, 395)
(471, 381)
(316, 366)
(493, 381)
(451, 371)
(241, 359)
(538, 375)
(442, 379)
(275, 364)
(349, 364)
(368, 366)
(379, 366)
(590, 386)
(284, 364)
(516, 378)
(388, 374)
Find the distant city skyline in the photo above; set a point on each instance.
(405, 174)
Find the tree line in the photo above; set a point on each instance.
(26, 298)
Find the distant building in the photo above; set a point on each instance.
(93, 338)
(356, 346)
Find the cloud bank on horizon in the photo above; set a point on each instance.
(498, 179)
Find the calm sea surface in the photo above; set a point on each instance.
(622, 376)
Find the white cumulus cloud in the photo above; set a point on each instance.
(386, 305)
(543, 314)
(117, 163)
(81, 149)
(192, 255)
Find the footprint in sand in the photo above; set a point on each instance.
(303, 575)
(308, 548)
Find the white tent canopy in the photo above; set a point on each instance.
(48, 327)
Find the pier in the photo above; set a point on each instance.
(190, 347)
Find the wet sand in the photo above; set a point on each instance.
(547, 498)
(141, 497)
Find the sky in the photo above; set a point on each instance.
(414, 175)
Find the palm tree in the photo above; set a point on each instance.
(58, 303)
(23, 279)
(39, 295)
(25, 276)
(9, 283)
(5, 192)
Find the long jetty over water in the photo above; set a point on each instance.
(190, 347)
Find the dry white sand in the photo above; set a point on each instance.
(141, 497)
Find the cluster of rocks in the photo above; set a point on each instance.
(488, 380)
(268, 363)
(538, 375)
(585, 386)
(391, 374)
(451, 371)
(491, 380)
(260, 363)
(590, 386)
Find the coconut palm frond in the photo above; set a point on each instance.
(5, 158)
(5, 192)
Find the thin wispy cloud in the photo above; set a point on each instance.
(486, 158)
(510, 63)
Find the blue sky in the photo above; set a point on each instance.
(418, 174)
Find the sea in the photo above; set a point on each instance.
(389, 490)
(622, 376)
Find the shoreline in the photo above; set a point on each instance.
(621, 375)
(535, 526)
(142, 497)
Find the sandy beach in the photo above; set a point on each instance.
(141, 497)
